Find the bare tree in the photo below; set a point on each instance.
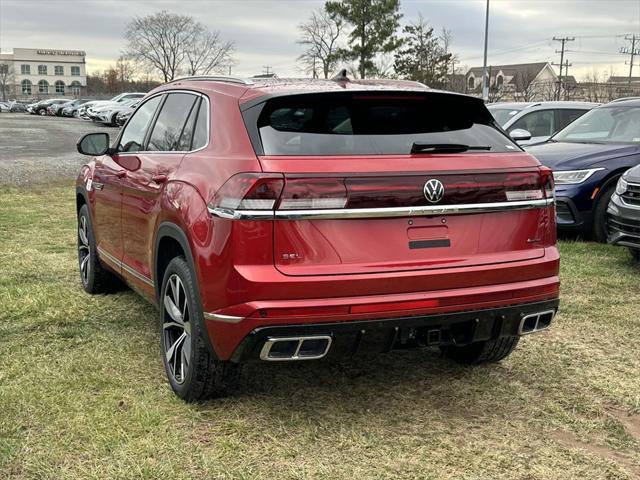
(320, 35)
(125, 70)
(207, 52)
(5, 79)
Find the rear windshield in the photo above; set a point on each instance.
(372, 124)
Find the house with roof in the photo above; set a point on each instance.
(525, 82)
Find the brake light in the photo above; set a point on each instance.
(313, 193)
(249, 191)
(547, 182)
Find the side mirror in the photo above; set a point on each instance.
(93, 144)
(520, 134)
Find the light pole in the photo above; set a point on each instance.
(485, 80)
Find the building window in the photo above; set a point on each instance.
(75, 71)
(472, 83)
(4, 69)
(43, 86)
(60, 87)
(42, 69)
(75, 87)
(59, 70)
(26, 87)
(25, 69)
(499, 81)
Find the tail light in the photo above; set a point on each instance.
(271, 191)
(314, 193)
(249, 191)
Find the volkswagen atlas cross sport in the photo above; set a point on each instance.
(290, 220)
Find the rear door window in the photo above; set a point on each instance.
(565, 116)
(374, 124)
(201, 133)
(171, 121)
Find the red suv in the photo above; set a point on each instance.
(299, 219)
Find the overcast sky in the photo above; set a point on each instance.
(265, 32)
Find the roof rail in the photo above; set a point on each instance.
(214, 78)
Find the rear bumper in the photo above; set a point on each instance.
(350, 338)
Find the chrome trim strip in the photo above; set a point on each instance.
(125, 267)
(380, 212)
(222, 318)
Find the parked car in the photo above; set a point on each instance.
(535, 122)
(91, 113)
(624, 213)
(588, 157)
(58, 109)
(107, 114)
(40, 108)
(303, 218)
(4, 107)
(122, 117)
(17, 106)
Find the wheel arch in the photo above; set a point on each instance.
(170, 241)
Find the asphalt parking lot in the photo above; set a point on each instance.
(37, 149)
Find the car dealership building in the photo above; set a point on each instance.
(30, 73)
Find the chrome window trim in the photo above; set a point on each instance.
(154, 152)
(461, 209)
(125, 267)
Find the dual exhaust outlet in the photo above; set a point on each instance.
(535, 322)
(315, 347)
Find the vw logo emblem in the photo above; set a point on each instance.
(433, 190)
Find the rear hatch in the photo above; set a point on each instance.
(383, 182)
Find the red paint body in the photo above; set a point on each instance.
(343, 269)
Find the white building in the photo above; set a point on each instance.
(29, 73)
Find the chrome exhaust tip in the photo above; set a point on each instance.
(536, 322)
(287, 349)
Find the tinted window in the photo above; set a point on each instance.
(133, 135)
(539, 124)
(170, 122)
(370, 124)
(565, 116)
(201, 134)
(184, 143)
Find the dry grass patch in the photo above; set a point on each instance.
(83, 393)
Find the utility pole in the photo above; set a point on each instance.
(266, 69)
(485, 82)
(566, 75)
(633, 52)
(561, 52)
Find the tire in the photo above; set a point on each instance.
(42, 112)
(482, 352)
(94, 278)
(599, 229)
(192, 370)
(75, 114)
(635, 254)
(114, 121)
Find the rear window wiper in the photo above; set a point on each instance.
(418, 147)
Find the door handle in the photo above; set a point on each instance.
(121, 173)
(159, 178)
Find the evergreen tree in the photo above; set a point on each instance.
(374, 25)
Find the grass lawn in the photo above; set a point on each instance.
(83, 392)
